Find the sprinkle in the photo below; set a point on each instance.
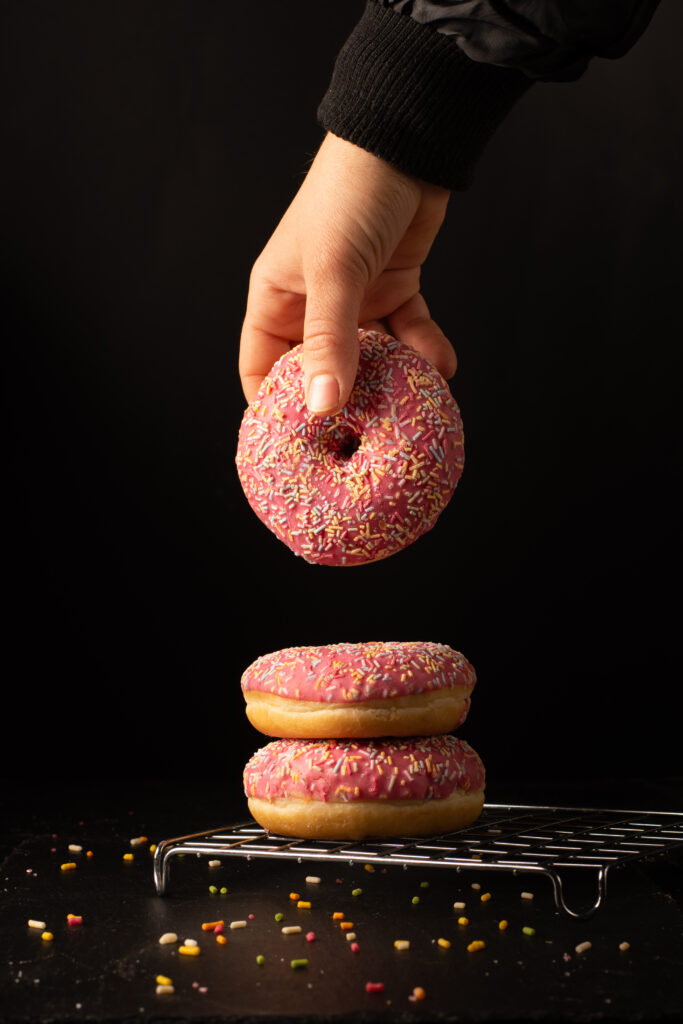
(458, 906)
(528, 930)
(214, 863)
(374, 986)
(623, 946)
(210, 926)
(189, 950)
(475, 885)
(219, 927)
(164, 990)
(303, 904)
(168, 937)
(151, 850)
(401, 944)
(337, 916)
(296, 964)
(213, 889)
(291, 929)
(476, 945)
(312, 879)
(128, 856)
(582, 947)
(354, 947)
(485, 897)
(350, 936)
(369, 868)
(463, 920)
(191, 942)
(279, 916)
(74, 848)
(415, 900)
(47, 936)
(527, 895)
(424, 885)
(356, 892)
(221, 939)
(69, 866)
(419, 992)
(294, 896)
(138, 841)
(89, 853)
(260, 959)
(502, 925)
(237, 924)
(310, 936)
(223, 891)
(346, 925)
(163, 980)
(74, 919)
(37, 924)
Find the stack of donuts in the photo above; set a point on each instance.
(364, 743)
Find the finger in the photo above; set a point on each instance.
(331, 342)
(412, 324)
(260, 344)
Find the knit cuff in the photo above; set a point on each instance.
(409, 95)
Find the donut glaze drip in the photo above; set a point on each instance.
(421, 768)
(347, 673)
(361, 485)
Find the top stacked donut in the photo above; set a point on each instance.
(361, 485)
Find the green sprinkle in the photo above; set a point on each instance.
(298, 963)
(356, 892)
(528, 931)
(416, 899)
(260, 959)
(224, 891)
(424, 885)
(279, 917)
(212, 888)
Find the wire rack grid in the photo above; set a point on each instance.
(517, 838)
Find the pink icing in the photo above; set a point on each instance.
(422, 768)
(347, 673)
(359, 486)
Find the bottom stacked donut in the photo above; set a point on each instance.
(362, 786)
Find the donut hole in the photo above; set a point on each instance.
(344, 443)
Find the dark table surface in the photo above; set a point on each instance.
(106, 968)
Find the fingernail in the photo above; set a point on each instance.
(323, 393)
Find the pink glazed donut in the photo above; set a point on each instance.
(359, 690)
(361, 485)
(332, 789)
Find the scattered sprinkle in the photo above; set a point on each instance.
(337, 916)
(528, 930)
(165, 990)
(74, 919)
(485, 897)
(458, 905)
(401, 944)
(415, 900)
(354, 947)
(214, 863)
(424, 885)
(310, 936)
(237, 924)
(291, 929)
(69, 866)
(47, 936)
(527, 895)
(476, 885)
(369, 868)
(463, 920)
(303, 904)
(301, 962)
(163, 980)
(350, 936)
(356, 892)
(74, 848)
(260, 959)
(313, 879)
(168, 937)
(37, 924)
(294, 896)
(128, 856)
(223, 891)
(374, 986)
(623, 946)
(213, 889)
(502, 925)
(279, 916)
(221, 939)
(419, 992)
(189, 950)
(346, 925)
(582, 947)
(476, 945)
(210, 926)
(444, 943)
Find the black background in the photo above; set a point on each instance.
(149, 150)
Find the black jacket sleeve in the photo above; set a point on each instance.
(425, 83)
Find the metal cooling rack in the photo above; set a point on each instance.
(518, 838)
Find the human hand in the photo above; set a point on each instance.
(347, 252)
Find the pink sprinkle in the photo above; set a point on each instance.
(354, 947)
(310, 937)
(74, 919)
(203, 988)
(250, 916)
(338, 881)
(374, 986)
(218, 929)
(195, 984)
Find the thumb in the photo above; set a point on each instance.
(331, 347)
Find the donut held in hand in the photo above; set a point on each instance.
(359, 690)
(359, 486)
(327, 789)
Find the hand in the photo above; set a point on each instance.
(347, 252)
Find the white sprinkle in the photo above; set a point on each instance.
(475, 885)
(527, 895)
(583, 946)
(190, 942)
(74, 848)
(137, 841)
(350, 936)
(238, 924)
(402, 944)
(291, 929)
(313, 879)
(165, 990)
(458, 906)
(168, 937)
(37, 924)
(214, 863)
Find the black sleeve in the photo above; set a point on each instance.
(425, 83)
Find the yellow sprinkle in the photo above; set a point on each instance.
(444, 943)
(294, 896)
(337, 916)
(47, 936)
(419, 992)
(463, 920)
(401, 944)
(221, 939)
(304, 904)
(152, 847)
(161, 979)
(69, 866)
(485, 897)
(128, 856)
(189, 950)
(502, 925)
(345, 925)
(369, 868)
(474, 946)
